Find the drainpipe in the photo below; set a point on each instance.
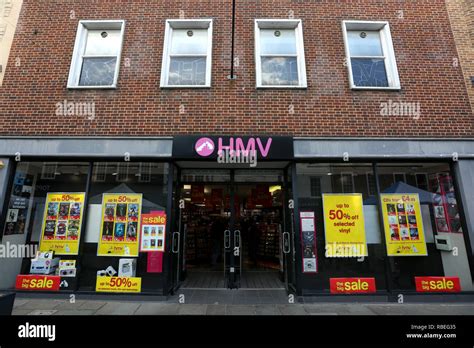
(232, 75)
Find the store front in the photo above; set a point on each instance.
(302, 215)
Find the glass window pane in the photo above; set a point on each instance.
(441, 216)
(187, 71)
(279, 71)
(369, 72)
(189, 41)
(364, 43)
(103, 43)
(98, 72)
(276, 41)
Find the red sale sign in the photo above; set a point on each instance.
(352, 285)
(437, 284)
(38, 282)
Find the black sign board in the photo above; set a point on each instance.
(195, 147)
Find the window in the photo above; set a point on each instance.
(370, 55)
(187, 54)
(279, 54)
(315, 185)
(96, 58)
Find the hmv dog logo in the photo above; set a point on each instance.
(205, 147)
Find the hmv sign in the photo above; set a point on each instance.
(211, 147)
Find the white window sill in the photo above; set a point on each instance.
(355, 88)
(92, 87)
(185, 86)
(282, 87)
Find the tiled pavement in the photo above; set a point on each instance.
(237, 302)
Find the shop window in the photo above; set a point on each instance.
(97, 52)
(279, 54)
(45, 210)
(114, 226)
(187, 54)
(433, 240)
(370, 55)
(341, 184)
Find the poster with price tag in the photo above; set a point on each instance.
(62, 222)
(153, 232)
(344, 225)
(120, 224)
(118, 284)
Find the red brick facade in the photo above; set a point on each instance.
(423, 43)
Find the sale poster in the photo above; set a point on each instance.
(308, 242)
(118, 284)
(403, 224)
(344, 225)
(153, 232)
(120, 224)
(61, 230)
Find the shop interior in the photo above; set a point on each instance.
(259, 217)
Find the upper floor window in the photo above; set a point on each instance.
(96, 59)
(187, 54)
(370, 55)
(279, 53)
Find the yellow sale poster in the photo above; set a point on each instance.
(118, 284)
(344, 225)
(403, 224)
(61, 230)
(120, 224)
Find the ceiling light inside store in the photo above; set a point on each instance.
(187, 187)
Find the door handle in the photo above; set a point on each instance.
(227, 239)
(286, 242)
(176, 240)
(237, 239)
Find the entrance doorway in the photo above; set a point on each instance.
(232, 229)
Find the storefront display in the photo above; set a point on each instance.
(404, 232)
(121, 214)
(308, 238)
(61, 231)
(344, 225)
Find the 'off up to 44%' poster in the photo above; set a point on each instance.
(344, 225)
(61, 229)
(403, 225)
(120, 224)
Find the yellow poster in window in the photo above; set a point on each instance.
(62, 222)
(403, 224)
(344, 225)
(120, 224)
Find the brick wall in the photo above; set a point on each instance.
(423, 42)
(461, 13)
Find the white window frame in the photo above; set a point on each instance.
(295, 24)
(387, 48)
(190, 24)
(80, 46)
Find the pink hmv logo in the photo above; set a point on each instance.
(205, 147)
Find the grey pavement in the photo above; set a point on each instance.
(200, 303)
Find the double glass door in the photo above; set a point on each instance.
(215, 216)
